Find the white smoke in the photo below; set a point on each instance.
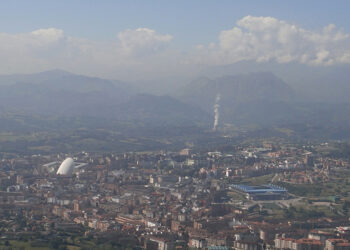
(216, 111)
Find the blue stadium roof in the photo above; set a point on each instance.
(260, 189)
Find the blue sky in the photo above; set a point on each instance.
(111, 38)
(189, 21)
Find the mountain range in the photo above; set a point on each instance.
(261, 97)
(64, 94)
(314, 83)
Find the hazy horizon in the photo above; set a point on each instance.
(144, 41)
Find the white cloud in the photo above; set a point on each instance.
(50, 48)
(48, 35)
(267, 38)
(144, 52)
(26, 52)
(143, 41)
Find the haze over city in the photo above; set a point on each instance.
(164, 125)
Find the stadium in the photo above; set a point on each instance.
(263, 192)
(66, 168)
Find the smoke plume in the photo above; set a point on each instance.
(216, 111)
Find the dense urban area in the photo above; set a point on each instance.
(174, 125)
(258, 194)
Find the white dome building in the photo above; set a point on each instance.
(66, 167)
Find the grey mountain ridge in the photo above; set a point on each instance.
(314, 83)
(259, 98)
(66, 94)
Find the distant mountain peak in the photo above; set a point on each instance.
(56, 72)
(237, 89)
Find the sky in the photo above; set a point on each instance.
(146, 39)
